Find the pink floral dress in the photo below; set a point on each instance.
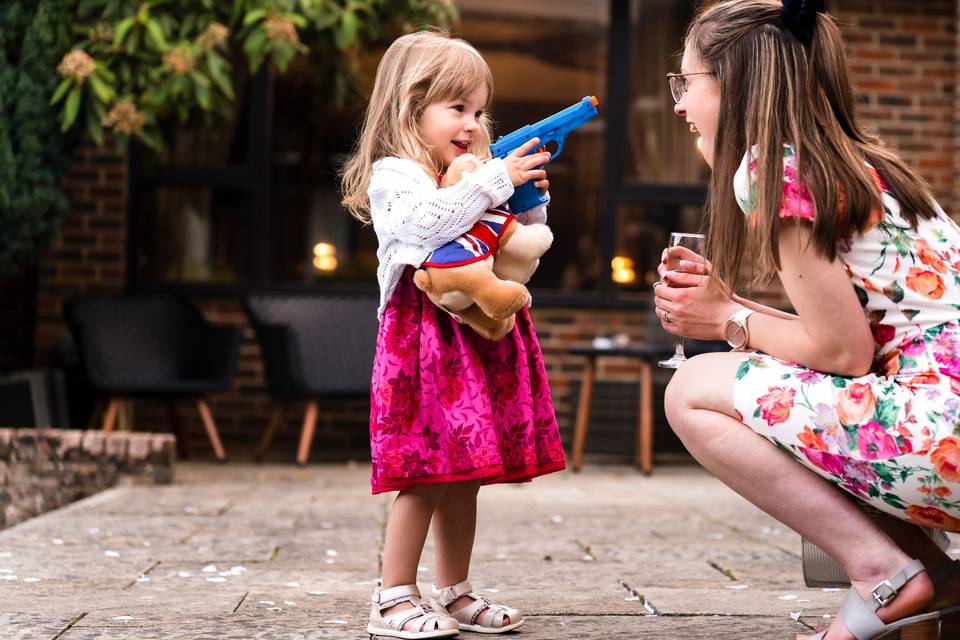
(891, 437)
(447, 405)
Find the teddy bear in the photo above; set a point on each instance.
(479, 278)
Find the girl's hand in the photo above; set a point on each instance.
(544, 184)
(521, 167)
(687, 307)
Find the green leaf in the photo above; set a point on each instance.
(346, 33)
(743, 369)
(121, 30)
(219, 75)
(253, 16)
(885, 413)
(71, 108)
(61, 90)
(101, 90)
(155, 36)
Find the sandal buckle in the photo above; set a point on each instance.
(884, 593)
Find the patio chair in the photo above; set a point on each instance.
(313, 346)
(155, 346)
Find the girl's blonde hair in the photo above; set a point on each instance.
(417, 70)
(775, 89)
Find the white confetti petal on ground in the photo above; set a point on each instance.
(501, 556)
(632, 599)
(292, 584)
(795, 615)
(216, 579)
(827, 616)
(143, 579)
(190, 509)
(6, 570)
(6, 554)
(226, 573)
(736, 587)
(31, 579)
(7, 578)
(210, 568)
(271, 602)
(329, 561)
(715, 536)
(93, 530)
(238, 569)
(831, 590)
(56, 541)
(183, 574)
(332, 553)
(110, 553)
(290, 603)
(787, 597)
(492, 590)
(587, 558)
(557, 519)
(334, 622)
(122, 618)
(316, 593)
(803, 600)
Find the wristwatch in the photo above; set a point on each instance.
(735, 330)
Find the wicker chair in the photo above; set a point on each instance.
(312, 345)
(152, 346)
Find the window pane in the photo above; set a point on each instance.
(659, 145)
(310, 236)
(194, 235)
(546, 55)
(643, 231)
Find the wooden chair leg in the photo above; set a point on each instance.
(110, 416)
(583, 413)
(211, 428)
(644, 440)
(275, 421)
(306, 433)
(175, 428)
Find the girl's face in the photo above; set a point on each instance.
(451, 126)
(700, 104)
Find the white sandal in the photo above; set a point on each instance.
(429, 623)
(480, 615)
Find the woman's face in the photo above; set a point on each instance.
(700, 104)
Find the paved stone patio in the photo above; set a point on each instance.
(283, 553)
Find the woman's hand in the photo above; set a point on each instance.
(522, 168)
(687, 306)
(683, 259)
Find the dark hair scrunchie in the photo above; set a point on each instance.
(800, 17)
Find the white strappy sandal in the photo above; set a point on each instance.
(860, 616)
(428, 623)
(481, 615)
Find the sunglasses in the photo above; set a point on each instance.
(678, 83)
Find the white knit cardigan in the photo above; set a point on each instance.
(412, 216)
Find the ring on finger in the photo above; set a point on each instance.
(666, 317)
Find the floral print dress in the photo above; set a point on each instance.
(447, 405)
(891, 437)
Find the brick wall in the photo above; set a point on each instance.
(43, 469)
(904, 57)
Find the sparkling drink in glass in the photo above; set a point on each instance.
(696, 242)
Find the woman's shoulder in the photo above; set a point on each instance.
(796, 202)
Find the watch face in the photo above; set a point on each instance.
(734, 334)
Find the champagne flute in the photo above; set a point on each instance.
(696, 242)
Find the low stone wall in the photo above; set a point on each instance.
(42, 469)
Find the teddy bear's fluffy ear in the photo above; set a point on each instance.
(467, 163)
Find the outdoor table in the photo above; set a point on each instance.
(645, 354)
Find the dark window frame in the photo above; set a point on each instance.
(254, 176)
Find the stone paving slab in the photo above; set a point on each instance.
(278, 552)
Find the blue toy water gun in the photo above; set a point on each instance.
(552, 129)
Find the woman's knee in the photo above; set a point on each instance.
(429, 494)
(703, 382)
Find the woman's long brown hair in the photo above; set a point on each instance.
(776, 90)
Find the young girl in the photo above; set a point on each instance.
(859, 391)
(449, 410)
